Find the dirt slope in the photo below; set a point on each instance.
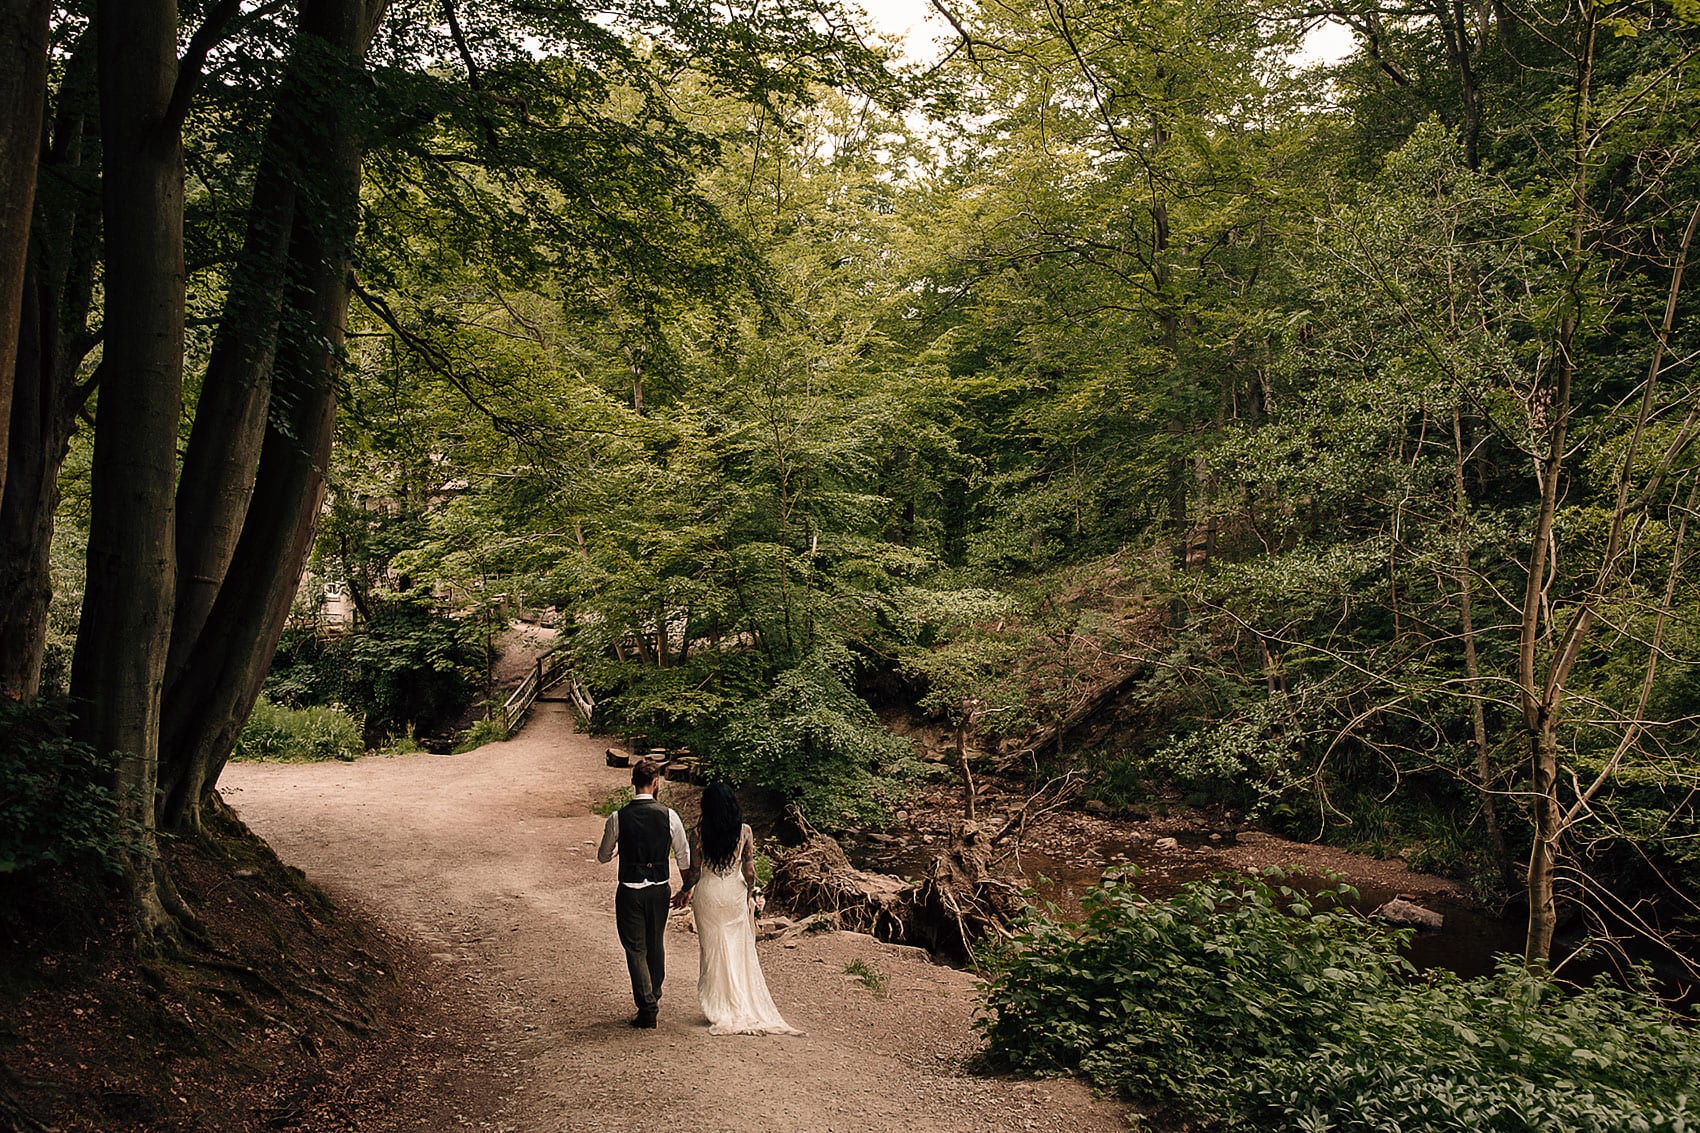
(490, 857)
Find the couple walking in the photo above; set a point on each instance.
(719, 883)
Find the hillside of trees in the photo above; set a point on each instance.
(1124, 391)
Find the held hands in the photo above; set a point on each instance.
(682, 897)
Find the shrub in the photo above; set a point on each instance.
(405, 744)
(1247, 1004)
(1511, 1051)
(486, 731)
(812, 740)
(276, 732)
(870, 976)
(409, 669)
(1162, 999)
(1242, 761)
(57, 807)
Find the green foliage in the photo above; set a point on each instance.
(1163, 999)
(870, 977)
(1237, 761)
(814, 741)
(275, 731)
(487, 730)
(406, 744)
(410, 669)
(681, 704)
(613, 801)
(57, 807)
(1432, 824)
(1251, 1004)
(1509, 1052)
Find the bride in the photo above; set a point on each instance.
(729, 983)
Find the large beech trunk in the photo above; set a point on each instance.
(23, 91)
(207, 704)
(119, 665)
(221, 671)
(223, 455)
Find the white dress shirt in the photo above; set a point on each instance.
(611, 843)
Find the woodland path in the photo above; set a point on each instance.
(489, 857)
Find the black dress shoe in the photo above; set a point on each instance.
(645, 1020)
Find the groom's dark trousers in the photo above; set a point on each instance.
(640, 917)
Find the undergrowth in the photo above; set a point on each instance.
(276, 732)
(57, 807)
(1246, 1004)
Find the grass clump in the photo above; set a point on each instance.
(299, 734)
(489, 730)
(870, 976)
(613, 801)
(1248, 1004)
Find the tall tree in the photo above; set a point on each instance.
(23, 88)
(119, 666)
(251, 532)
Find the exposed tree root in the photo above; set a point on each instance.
(957, 905)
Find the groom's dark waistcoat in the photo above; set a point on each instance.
(646, 834)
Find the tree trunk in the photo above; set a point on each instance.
(52, 339)
(40, 436)
(119, 664)
(968, 801)
(1472, 667)
(1543, 856)
(212, 695)
(223, 454)
(210, 700)
(23, 90)
(1541, 691)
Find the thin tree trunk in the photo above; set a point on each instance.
(23, 91)
(1472, 667)
(119, 663)
(968, 803)
(1543, 855)
(1542, 692)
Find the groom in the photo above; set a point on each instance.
(642, 832)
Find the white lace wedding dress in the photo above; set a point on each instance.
(729, 982)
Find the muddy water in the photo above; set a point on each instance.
(1466, 943)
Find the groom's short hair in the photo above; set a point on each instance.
(645, 772)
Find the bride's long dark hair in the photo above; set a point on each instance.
(722, 824)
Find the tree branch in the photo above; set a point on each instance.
(214, 30)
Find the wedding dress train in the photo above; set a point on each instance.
(729, 981)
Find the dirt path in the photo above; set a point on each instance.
(490, 857)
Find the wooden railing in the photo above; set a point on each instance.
(549, 671)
